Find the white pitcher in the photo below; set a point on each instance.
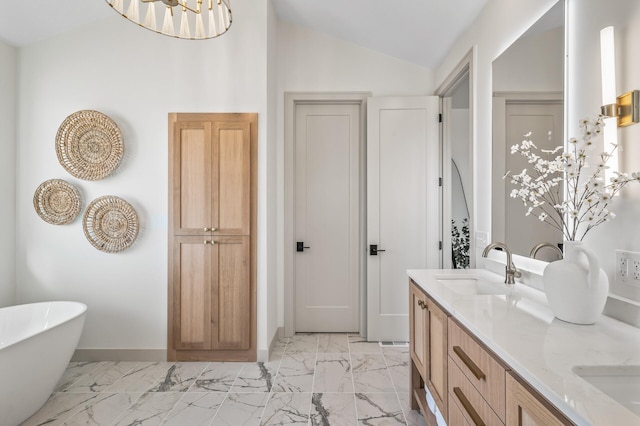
(575, 286)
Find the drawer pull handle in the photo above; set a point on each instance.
(422, 304)
(477, 420)
(469, 363)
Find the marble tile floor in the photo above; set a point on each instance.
(311, 379)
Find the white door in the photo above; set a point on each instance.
(327, 169)
(402, 206)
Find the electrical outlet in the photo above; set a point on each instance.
(623, 267)
(628, 267)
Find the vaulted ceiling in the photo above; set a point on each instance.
(418, 31)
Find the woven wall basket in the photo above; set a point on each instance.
(57, 202)
(110, 224)
(89, 145)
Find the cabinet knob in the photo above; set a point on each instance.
(209, 229)
(422, 304)
(209, 242)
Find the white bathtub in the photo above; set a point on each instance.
(37, 341)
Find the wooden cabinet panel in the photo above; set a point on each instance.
(484, 371)
(192, 178)
(526, 408)
(233, 186)
(418, 331)
(473, 406)
(231, 293)
(456, 417)
(437, 377)
(192, 293)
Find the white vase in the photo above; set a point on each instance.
(575, 286)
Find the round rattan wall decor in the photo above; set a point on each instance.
(110, 224)
(89, 145)
(57, 202)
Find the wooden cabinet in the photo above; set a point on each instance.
(212, 237)
(469, 383)
(428, 349)
(526, 408)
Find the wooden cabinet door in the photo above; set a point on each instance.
(231, 290)
(191, 196)
(192, 272)
(524, 408)
(438, 349)
(418, 339)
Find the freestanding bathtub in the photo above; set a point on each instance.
(37, 341)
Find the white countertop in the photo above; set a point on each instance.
(521, 329)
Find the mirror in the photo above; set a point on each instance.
(528, 86)
(457, 173)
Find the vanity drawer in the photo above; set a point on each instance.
(482, 370)
(473, 408)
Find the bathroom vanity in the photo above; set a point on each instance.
(489, 354)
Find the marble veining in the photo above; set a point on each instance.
(179, 377)
(303, 386)
(103, 409)
(333, 373)
(287, 409)
(141, 378)
(333, 409)
(379, 409)
(370, 373)
(256, 377)
(296, 373)
(100, 378)
(217, 377)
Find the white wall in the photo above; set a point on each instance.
(8, 104)
(586, 19)
(312, 62)
(136, 77)
(500, 23)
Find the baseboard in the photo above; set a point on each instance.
(265, 355)
(151, 355)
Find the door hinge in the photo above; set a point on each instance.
(439, 245)
(439, 118)
(440, 181)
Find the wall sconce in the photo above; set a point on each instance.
(625, 107)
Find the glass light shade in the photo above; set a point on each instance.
(608, 67)
(191, 17)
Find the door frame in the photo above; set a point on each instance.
(291, 101)
(466, 67)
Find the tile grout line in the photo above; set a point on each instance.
(270, 394)
(395, 388)
(353, 381)
(313, 381)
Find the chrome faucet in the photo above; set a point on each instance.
(537, 247)
(510, 269)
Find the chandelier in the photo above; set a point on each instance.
(195, 19)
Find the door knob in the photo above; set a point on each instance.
(300, 246)
(374, 250)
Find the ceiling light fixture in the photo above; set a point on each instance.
(194, 23)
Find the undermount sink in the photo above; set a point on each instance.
(471, 286)
(620, 382)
